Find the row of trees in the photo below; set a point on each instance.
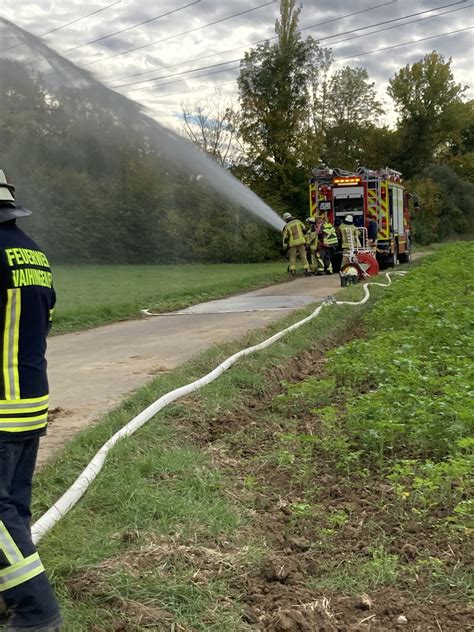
(296, 111)
(104, 188)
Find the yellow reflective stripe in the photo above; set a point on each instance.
(19, 411)
(11, 335)
(25, 400)
(8, 546)
(7, 420)
(21, 424)
(51, 313)
(16, 340)
(21, 408)
(24, 427)
(21, 572)
(6, 345)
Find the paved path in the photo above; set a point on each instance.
(92, 371)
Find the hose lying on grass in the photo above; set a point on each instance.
(79, 487)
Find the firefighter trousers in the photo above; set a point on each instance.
(300, 250)
(326, 257)
(24, 588)
(315, 262)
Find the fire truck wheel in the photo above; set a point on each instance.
(382, 261)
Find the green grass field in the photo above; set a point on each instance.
(194, 517)
(89, 296)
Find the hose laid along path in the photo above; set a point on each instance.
(84, 480)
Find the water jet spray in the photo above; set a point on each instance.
(58, 73)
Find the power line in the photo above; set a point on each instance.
(164, 96)
(313, 26)
(423, 39)
(231, 50)
(172, 94)
(63, 26)
(339, 58)
(410, 15)
(320, 40)
(206, 74)
(397, 26)
(177, 74)
(59, 28)
(194, 59)
(129, 28)
(166, 39)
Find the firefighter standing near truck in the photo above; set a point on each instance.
(327, 243)
(349, 238)
(372, 232)
(312, 243)
(27, 301)
(294, 242)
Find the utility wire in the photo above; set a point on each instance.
(423, 39)
(320, 40)
(206, 74)
(231, 50)
(166, 39)
(337, 59)
(129, 28)
(397, 26)
(187, 61)
(313, 26)
(177, 74)
(410, 15)
(63, 26)
(203, 89)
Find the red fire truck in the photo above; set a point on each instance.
(364, 194)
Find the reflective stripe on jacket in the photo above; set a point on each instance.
(329, 235)
(27, 301)
(350, 236)
(293, 233)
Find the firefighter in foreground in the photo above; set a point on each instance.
(294, 241)
(27, 301)
(327, 238)
(316, 264)
(349, 238)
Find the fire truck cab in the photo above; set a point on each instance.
(366, 194)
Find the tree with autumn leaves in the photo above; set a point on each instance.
(296, 112)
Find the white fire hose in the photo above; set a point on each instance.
(81, 484)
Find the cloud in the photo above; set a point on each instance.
(184, 52)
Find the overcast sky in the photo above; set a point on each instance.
(185, 40)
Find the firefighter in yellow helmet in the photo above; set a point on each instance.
(350, 238)
(294, 241)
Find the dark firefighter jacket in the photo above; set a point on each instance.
(27, 301)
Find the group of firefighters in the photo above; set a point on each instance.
(316, 243)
